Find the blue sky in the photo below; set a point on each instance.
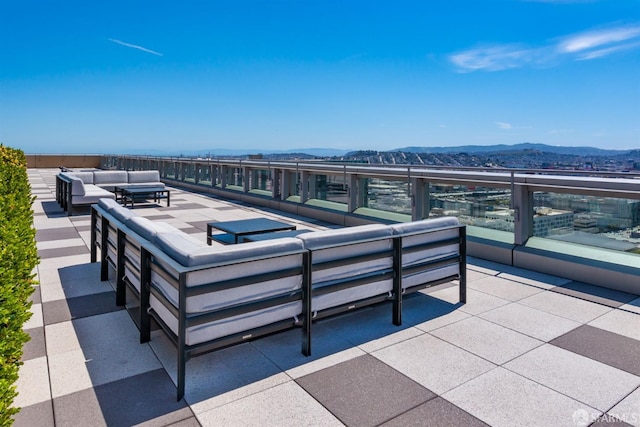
(112, 77)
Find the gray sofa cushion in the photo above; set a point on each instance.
(329, 245)
(229, 325)
(93, 194)
(210, 254)
(422, 233)
(191, 252)
(77, 186)
(86, 177)
(319, 239)
(179, 245)
(121, 213)
(137, 177)
(110, 177)
(424, 225)
(108, 204)
(148, 229)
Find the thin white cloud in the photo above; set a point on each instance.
(581, 46)
(589, 40)
(599, 53)
(492, 58)
(504, 125)
(133, 46)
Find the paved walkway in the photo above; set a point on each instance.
(526, 349)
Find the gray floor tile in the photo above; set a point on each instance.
(61, 233)
(419, 308)
(364, 391)
(189, 422)
(142, 398)
(78, 307)
(597, 294)
(64, 251)
(159, 217)
(503, 398)
(436, 412)
(364, 325)
(85, 270)
(627, 410)
(202, 225)
(608, 420)
(477, 302)
(530, 321)
(219, 377)
(36, 296)
(503, 288)
(33, 383)
(284, 348)
(533, 278)
(114, 327)
(194, 230)
(581, 378)
(82, 228)
(619, 322)
(615, 350)
(284, 405)
(91, 366)
(191, 206)
(39, 414)
(487, 340)
(35, 347)
(434, 363)
(565, 306)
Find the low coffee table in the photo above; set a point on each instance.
(133, 194)
(244, 227)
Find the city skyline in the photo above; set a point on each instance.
(81, 78)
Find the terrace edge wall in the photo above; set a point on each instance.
(66, 160)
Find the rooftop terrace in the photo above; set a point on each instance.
(526, 349)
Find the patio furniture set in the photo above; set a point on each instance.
(205, 295)
(84, 188)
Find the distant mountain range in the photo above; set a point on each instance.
(329, 152)
(225, 152)
(580, 151)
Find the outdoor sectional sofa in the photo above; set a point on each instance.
(208, 297)
(84, 188)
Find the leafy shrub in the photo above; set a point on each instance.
(18, 258)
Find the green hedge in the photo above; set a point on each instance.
(18, 258)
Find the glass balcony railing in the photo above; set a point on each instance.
(549, 209)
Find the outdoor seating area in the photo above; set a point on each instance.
(207, 297)
(520, 348)
(85, 187)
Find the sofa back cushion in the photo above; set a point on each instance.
(110, 177)
(252, 261)
(349, 242)
(179, 245)
(426, 232)
(86, 177)
(339, 236)
(424, 225)
(221, 254)
(108, 204)
(143, 176)
(121, 213)
(77, 186)
(148, 229)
